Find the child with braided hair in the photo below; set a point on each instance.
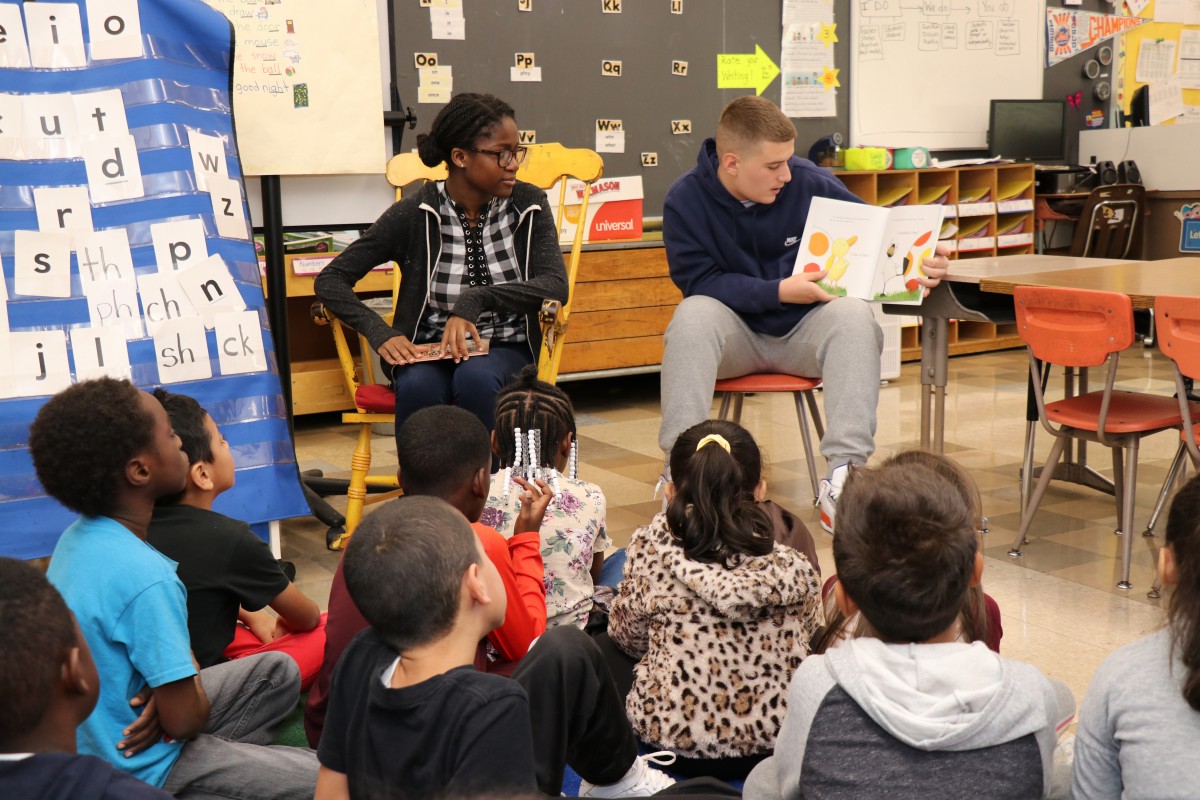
(535, 437)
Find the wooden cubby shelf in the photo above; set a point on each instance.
(989, 212)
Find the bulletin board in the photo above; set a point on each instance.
(306, 86)
(571, 39)
(124, 241)
(923, 74)
(1155, 34)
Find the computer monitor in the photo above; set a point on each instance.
(1028, 130)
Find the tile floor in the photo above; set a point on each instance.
(1060, 608)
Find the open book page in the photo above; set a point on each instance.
(910, 238)
(844, 239)
(869, 252)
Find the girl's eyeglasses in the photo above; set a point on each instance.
(505, 157)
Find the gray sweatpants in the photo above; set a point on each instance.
(839, 342)
(233, 757)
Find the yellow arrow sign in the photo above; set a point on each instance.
(746, 70)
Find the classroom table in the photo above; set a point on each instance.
(986, 286)
(961, 295)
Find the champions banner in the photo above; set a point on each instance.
(125, 241)
(1069, 32)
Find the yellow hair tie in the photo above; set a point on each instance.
(713, 438)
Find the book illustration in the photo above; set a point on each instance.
(906, 268)
(869, 252)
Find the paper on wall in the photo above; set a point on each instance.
(114, 170)
(211, 289)
(99, 114)
(39, 362)
(14, 49)
(1155, 61)
(208, 157)
(1188, 68)
(178, 245)
(42, 264)
(50, 127)
(240, 342)
(1166, 101)
(63, 208)
(103, 256)
(181, 351)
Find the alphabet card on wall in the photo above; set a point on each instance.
(208, 157)
(39, 362)
(14, 49)
(239, 342)
(43, 264)
(181, 348)
(163, 299)
(103, 256)
(55, 35)
(227, 207)
(211, 289)
(99, 352)
(179, 245)
(63, 208)
(124, 238)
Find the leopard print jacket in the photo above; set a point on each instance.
(717, 646)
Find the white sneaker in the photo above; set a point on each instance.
(831, 490)
(641, 780)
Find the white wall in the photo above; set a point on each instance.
(1165, 154)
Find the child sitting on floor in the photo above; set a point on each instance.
(980, 618)
(48, 685)
(719, 614)
(535, 431)
(444, 453)
(107, 451)
(409, 717)
(228, 571)
(1139, 724)
(911, 712)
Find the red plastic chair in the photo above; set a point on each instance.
(1179, 340)
(1080, 328)
(733, 390)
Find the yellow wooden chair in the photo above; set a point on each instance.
(544, 166)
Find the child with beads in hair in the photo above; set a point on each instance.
(574, 535)
(477, 253)
(980, 618)
(719, 614)
(1139, 724)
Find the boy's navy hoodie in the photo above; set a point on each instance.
(63, 776)
(738, 254)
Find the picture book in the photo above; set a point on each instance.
(870, 252)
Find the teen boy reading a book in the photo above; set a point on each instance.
(732, 226)
(107, 451)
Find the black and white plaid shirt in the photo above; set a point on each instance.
(473, 255)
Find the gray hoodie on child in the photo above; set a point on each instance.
(920, 721)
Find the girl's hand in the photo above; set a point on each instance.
(398, 350)
(534, 500)
(454, 338)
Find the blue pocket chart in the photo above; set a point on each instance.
(124, 241)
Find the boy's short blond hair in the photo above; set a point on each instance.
(750, 120)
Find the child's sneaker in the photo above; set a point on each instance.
(831, 489)
(641, 780)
